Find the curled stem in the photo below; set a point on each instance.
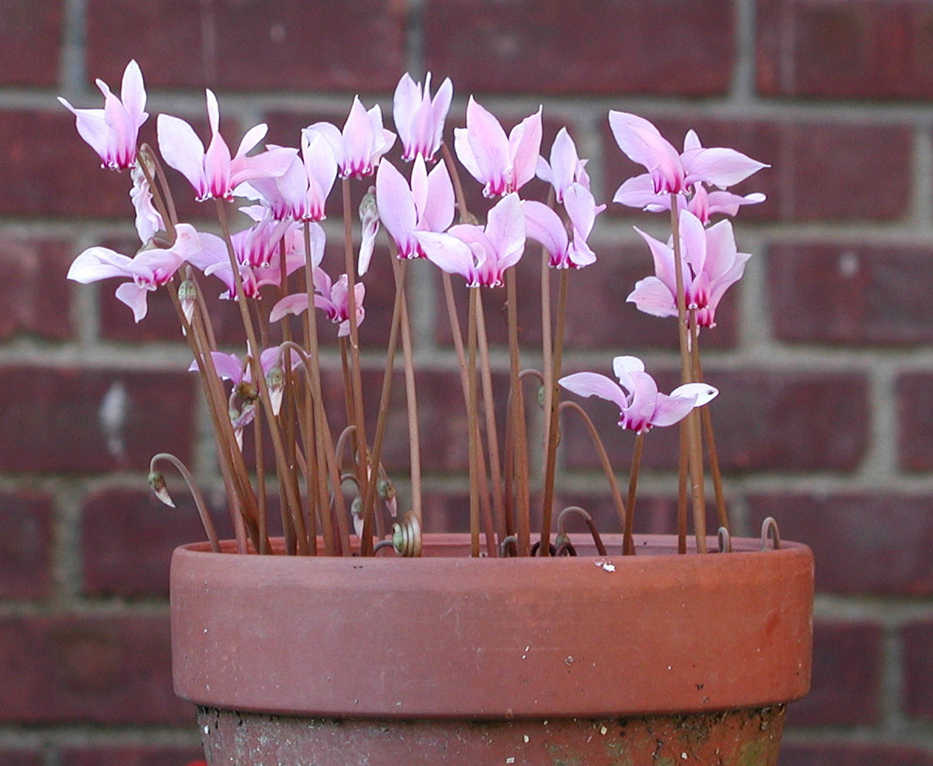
(199, 503)
(587, 519)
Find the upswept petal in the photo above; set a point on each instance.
(439, 209)
(489, 144)
(133, 93)
(563, 165)
(644, 396)
(581, 208)
(182, 150)
(719, 166)
(464, 152)
(729, 203)
(331, 135)
(623, 367)
(720, 249)
(594, 384)
(440, 106)
(544, 226)
(396, 207)
(671, 409)
(693, 242)
(505, 228)
(419, 186)
(91, 126)
(271, 163)
(320, 166)
(643, 143)
(251, 138)
(405, 102)
(663, 257)
(525, 149)
(638, 191)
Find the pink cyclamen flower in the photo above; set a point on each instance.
(419, 120)
(641, 406)
(112, 131)
(147, 271)
(301, 192)
(258, 254)
(214, 173)
(639, 191)
(545, 226)
(479, 255)
(670, 171)
(710, 262)
(502, 164)
(565, 167)
(359, 147)
(148, 219)
(427, 204)
(329, 296)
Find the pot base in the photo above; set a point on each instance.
(744, 737)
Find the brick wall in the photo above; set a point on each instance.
(823, 356)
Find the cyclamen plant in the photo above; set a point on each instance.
(276, 384)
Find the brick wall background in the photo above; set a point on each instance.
(823, 356)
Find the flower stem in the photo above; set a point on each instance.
(628, 541)
(472, 419)
(694, 448)
(410, 394)
(550, 465)
(199, 503)
(366, 544)
(286, 478)
(492, 436)
(520, 451)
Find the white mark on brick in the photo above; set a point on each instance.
(112, 415)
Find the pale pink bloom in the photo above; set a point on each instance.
(147, 271)
(426, 204)
(545, 226)
(670, 171)
(710, 263)
(331, 297)
(214, 173)
(419, 120)
(257, 251)
(502, 164)
(638, 191)
(565, 167)
(301, 192)
(636, 394)
(112, 131)
(148, 220)
(358, 148)
(480, 255)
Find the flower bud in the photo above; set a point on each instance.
(157, 485)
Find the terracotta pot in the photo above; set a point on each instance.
(447, 659)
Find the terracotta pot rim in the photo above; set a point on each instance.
(453, 636)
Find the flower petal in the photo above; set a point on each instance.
(594, 384)
(182, 149)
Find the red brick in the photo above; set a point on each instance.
(21, 758)
(855, 49)
(251, 44)
(25, 558)
(777, 421)
(841, 753)
(127, 538)
(34, 293)
(918, 669)
(847, 659)
(103, 669)
(850, 293)
(56, 414)
(914, 415)
(30, 40)
(142, 755)
(551, 46)
(873, 543)
(813, 175)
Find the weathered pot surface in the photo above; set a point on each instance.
(555, 650)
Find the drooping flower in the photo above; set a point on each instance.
(112, 131)
(427, 204)
(711, 263)
(671, 172)
(480, 255)
(359, 147)
(369, 228)
(502, 164)
(419, 120)
(641, 405)
(545, 226)
(147, 271)
(214, 173)
(565, 167)
(329, 296)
